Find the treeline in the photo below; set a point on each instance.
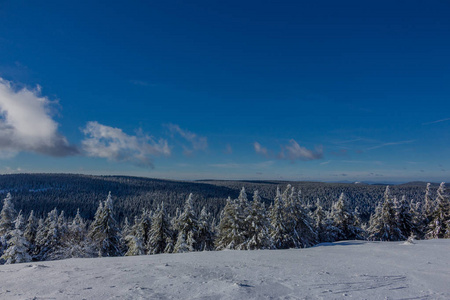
(288, 222)
(43, 192)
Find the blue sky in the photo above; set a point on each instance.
(299, 90)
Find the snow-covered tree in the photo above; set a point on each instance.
(31, 228)
(126, 228)
(345, 220)
(230, 233)
(404, 217)
(75, 242)
(258, 226)
(383, 224)
(279, 233)
(104, 231)
(17, 251)
(205, 236)
(160, 235)
(39, 240)
(429, 204)
(143, 228)
(135, 246)
(187, 228)
(325, 229)
(297, 220)
(49, 237)
(439, 225)
(135, 238)
(7, 217)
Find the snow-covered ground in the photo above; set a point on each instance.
(343, 270)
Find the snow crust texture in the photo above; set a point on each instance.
(342, 270)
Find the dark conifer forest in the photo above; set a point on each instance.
(57, 216)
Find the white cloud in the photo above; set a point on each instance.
(437, 121)
(26, 124)
(112, 143)
(293, 151)
(391, 144)
(260, 149)
(197, 142)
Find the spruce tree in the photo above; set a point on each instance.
(280, 235)
(51, 237)
(230, 234)
(17, 251)
(104, 231)
(258, 226)
(346, 221)
(439, 224)
(7, 217)
(135, 246)
(31, 231)
(383, 224)
(145, 223)
(298, 220)
(187, 227)
(39, 240)
(205, 236)
(325, 229)
(160, 235)
(404, 217)
(75, 242)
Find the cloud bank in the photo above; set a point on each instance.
(113, 144)
(293, 151)
(26, 124)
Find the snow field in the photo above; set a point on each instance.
(342, 270)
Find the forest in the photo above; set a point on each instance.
(281, 216)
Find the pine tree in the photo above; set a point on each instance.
(50, 237)
(126, 229)
(160, 235)
(135, 246)
(325, 229)
(345, 221)
(39, 240)
(31, 231)
(7, 217)
(104, 230)
(298, 220)
(205, 236)
(75, 243)
(258, 226)
(417, 219)
(17, 251)
(230, 234)
(187, 227)
(31, 228)
(439, 224)
(145, 223)
(135, 239)
(404, 217)
(429, 205)
(383, 224)
(280, 235)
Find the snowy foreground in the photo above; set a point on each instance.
(343, 270)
